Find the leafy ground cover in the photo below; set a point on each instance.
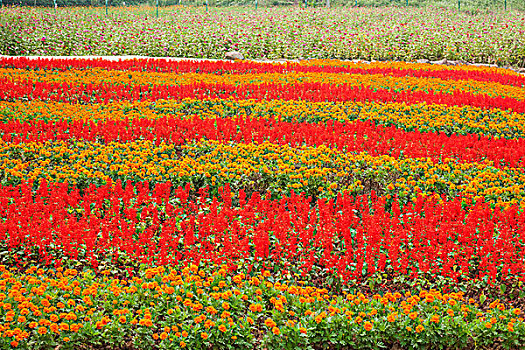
(405, 34)
(323, 204)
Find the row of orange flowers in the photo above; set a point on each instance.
(278, 168)
(463, 120)
(192, 307)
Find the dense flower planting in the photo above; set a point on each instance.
(196, 308)
(403, 34)
(160, 204)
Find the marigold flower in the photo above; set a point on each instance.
(204, 335)
(276, 331)
(269, 323)
(368, 326)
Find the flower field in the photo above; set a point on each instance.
(243, 205)
(404, 34)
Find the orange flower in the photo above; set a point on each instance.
(222, 328)
(270, 323)
(54, 328)
(276, 331)
(204, 335)
(368, 326)
(420, 329)
(42, 330)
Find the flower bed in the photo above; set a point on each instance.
(197, 308)
(404, 34)
(384, 201)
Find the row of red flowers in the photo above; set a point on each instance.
(316, 92)
(224, 67)
(351, 236)
(357, 136)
